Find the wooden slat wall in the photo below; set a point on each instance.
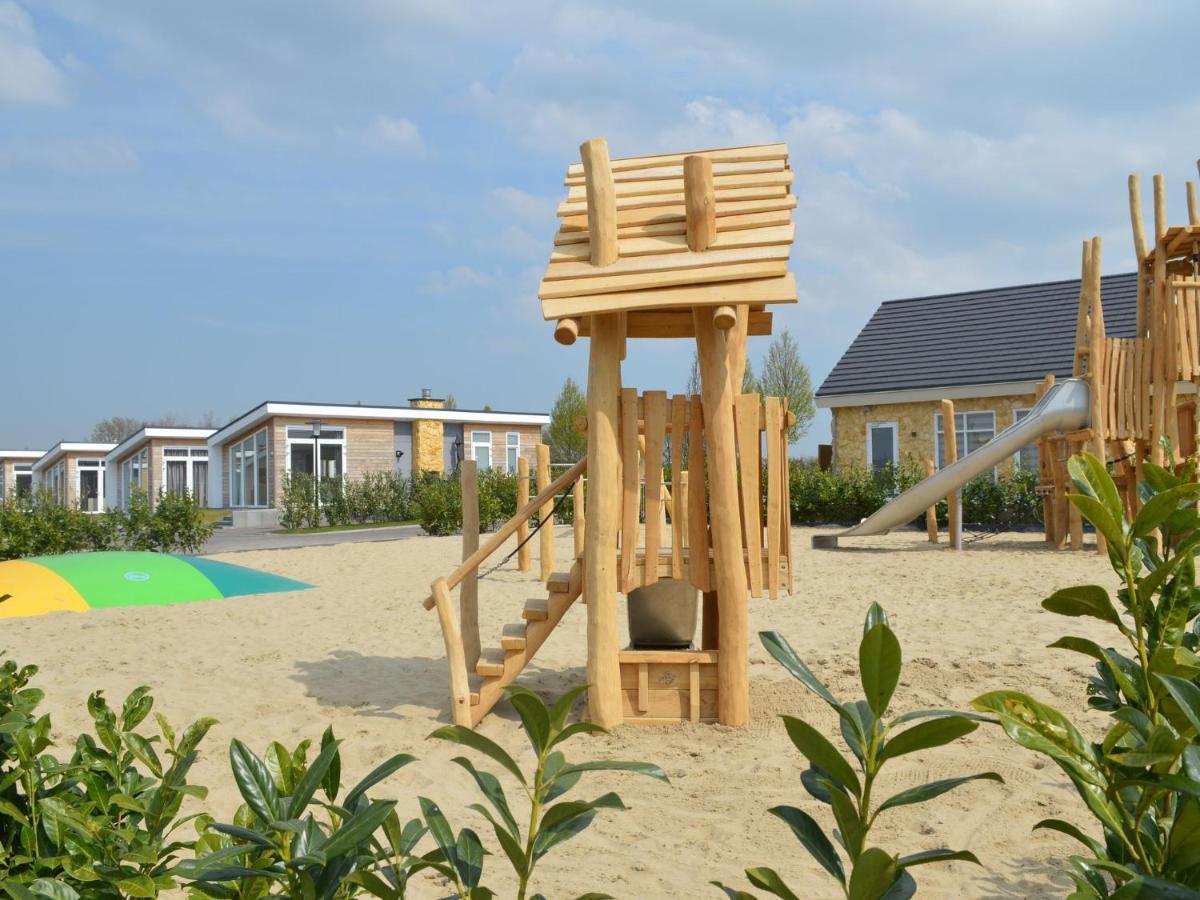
(756, 418)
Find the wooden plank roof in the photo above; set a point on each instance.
(655, 270)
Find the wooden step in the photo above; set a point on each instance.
(559, 583)
(536, 609)
(513, 636)
(491, 662)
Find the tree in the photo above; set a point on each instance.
(115, 429)
(784, 375)
(566, 444)
(451, 402)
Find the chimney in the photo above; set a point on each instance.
(427, 400)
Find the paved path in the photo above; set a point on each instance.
(231, 540)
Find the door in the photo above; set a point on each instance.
(882, 446)
(200, 481)
(89, 490)
(403, 448)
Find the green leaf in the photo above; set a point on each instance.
(1090, 476)
(1154, 889)
(821, 753)
(939, 714)
(1083, 600)
(1183, 844)
(358, 828)
(332, 783)
(602, 765)
(138, 886)
(570, 809)
(776, 644)
(1071, 831)
(813, 839)
(143, 750)
(879, 666)
(1161, 507)
(769, 880)
(924, 792)
(931, 733)
(376, 775)
(244, 834)
(439, 828)
(848, 821)
(562, 706)
(872, 876)
(1187, 695)
(508, 843)
(1043, 729)
(254, 782)
(1079, 645)
(535, 718)
(941, 855)
(311, 780)
(576, 728)
(875, 616)
(490, 785)
(1093, 510)
(734, 893)
(459, 734)
(468, 859)
(53, 889)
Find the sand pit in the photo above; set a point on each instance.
(358, 651)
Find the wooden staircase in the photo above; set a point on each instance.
(519, 641)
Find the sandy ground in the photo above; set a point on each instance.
(359, 651)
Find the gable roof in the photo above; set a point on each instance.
(148, 432)
(62, 448)
(991, 337)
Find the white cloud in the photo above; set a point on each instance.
(515, 205)
(714, 122)
(456, 280)
(398, 133)
(27, 76)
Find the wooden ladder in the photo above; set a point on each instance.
(500, 666)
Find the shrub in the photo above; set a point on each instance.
(334, 503)
(1141, 782)
(497, 498)
(296, 500)
(438, 503)
(833, 780)
(178, 523)
(103, 823)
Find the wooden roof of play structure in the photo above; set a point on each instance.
(627, 244)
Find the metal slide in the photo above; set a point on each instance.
(1065, 407)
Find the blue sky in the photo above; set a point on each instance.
(205, 205)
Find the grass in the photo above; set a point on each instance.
(213, 515)
(358, 527)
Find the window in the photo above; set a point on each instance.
(1026, 459)
(512, 447)
(56, 482)
(971, 429)
(23, 478)
(882, 446)
(133, 475)
(248, 468)
(185, 472)
(481, 449)
(330, 447)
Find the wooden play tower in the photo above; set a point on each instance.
(682, 246)
(1143, 386)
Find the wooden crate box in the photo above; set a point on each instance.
(661, 687)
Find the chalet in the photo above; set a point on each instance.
(985, 350)
(73, 472)
(158, 458)
(16, 471)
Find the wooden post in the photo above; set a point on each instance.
(1160, 208)
(1139, 249)
(1158, 353)
(566, 331)
(950, 442)
(460, 686)
(525, 554)
(931, 526)
(603, 515)
(601, 202)
(545, 515)
(733, 674)
(468, 591)
(699, 201)
(1096, 364)
(1046, 470)
(735, 347)
(1192, 205)
(578, 519)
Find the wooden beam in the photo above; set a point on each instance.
(1096, 343)
(1135, 218)
(545, 515)
(678, 212)
(460, 686)
(726, 154)
(1160, 209)
(772, 265)
(601, 201)
(753, 290)
(666, 244)
(603, 517)
(733, 674)
(931, 525)
(656, 173)
(468, 592)
(675, 228)
(1192, 206)
(679, 324)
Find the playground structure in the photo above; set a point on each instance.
(670, 246)
(1126, 394)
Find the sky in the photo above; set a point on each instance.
(208, 205)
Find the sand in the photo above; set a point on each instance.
(359, 652)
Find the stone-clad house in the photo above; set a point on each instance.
(985, 350)
(249, 457)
